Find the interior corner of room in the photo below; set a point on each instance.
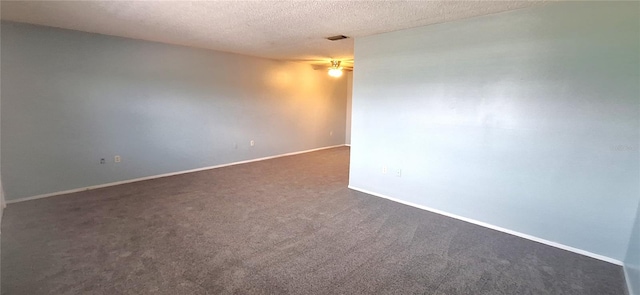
(523, 121)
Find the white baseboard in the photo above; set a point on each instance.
(487, 225)
(75, 190)
(347, 144)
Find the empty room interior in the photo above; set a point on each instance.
(320, 147)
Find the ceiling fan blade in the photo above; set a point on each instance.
(326, 68)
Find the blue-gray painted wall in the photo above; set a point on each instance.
(527, 120)
(70, 98)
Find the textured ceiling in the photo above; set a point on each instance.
(271, 29)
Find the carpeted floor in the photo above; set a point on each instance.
(282, 226)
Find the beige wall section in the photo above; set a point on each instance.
(2, 203)
(347, 132)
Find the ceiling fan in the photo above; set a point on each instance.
(336, 70)
(334, 67)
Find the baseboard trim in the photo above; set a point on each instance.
(75, 190)
(500, 229)
(347, 144)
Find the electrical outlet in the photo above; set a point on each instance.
(117, 159)
(331, 133)
(102, 161)
(252, 143)
(384, 169)
(399, 172)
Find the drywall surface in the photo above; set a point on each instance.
(632, 261)
(526, 120)
(71, 98)
(1, 189)
(2, 202)
(347, 137)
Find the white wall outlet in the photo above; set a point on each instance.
(102, 161)
(384, 169)
(331, 133)
(252, 143)
(117, 159)
(399, 172)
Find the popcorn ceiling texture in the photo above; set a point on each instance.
(270, 29)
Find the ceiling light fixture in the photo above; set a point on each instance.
(335, 70)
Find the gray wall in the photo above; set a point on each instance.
(70, 98)
(526, 120)
(632, 261)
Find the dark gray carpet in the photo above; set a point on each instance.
(283, 226)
